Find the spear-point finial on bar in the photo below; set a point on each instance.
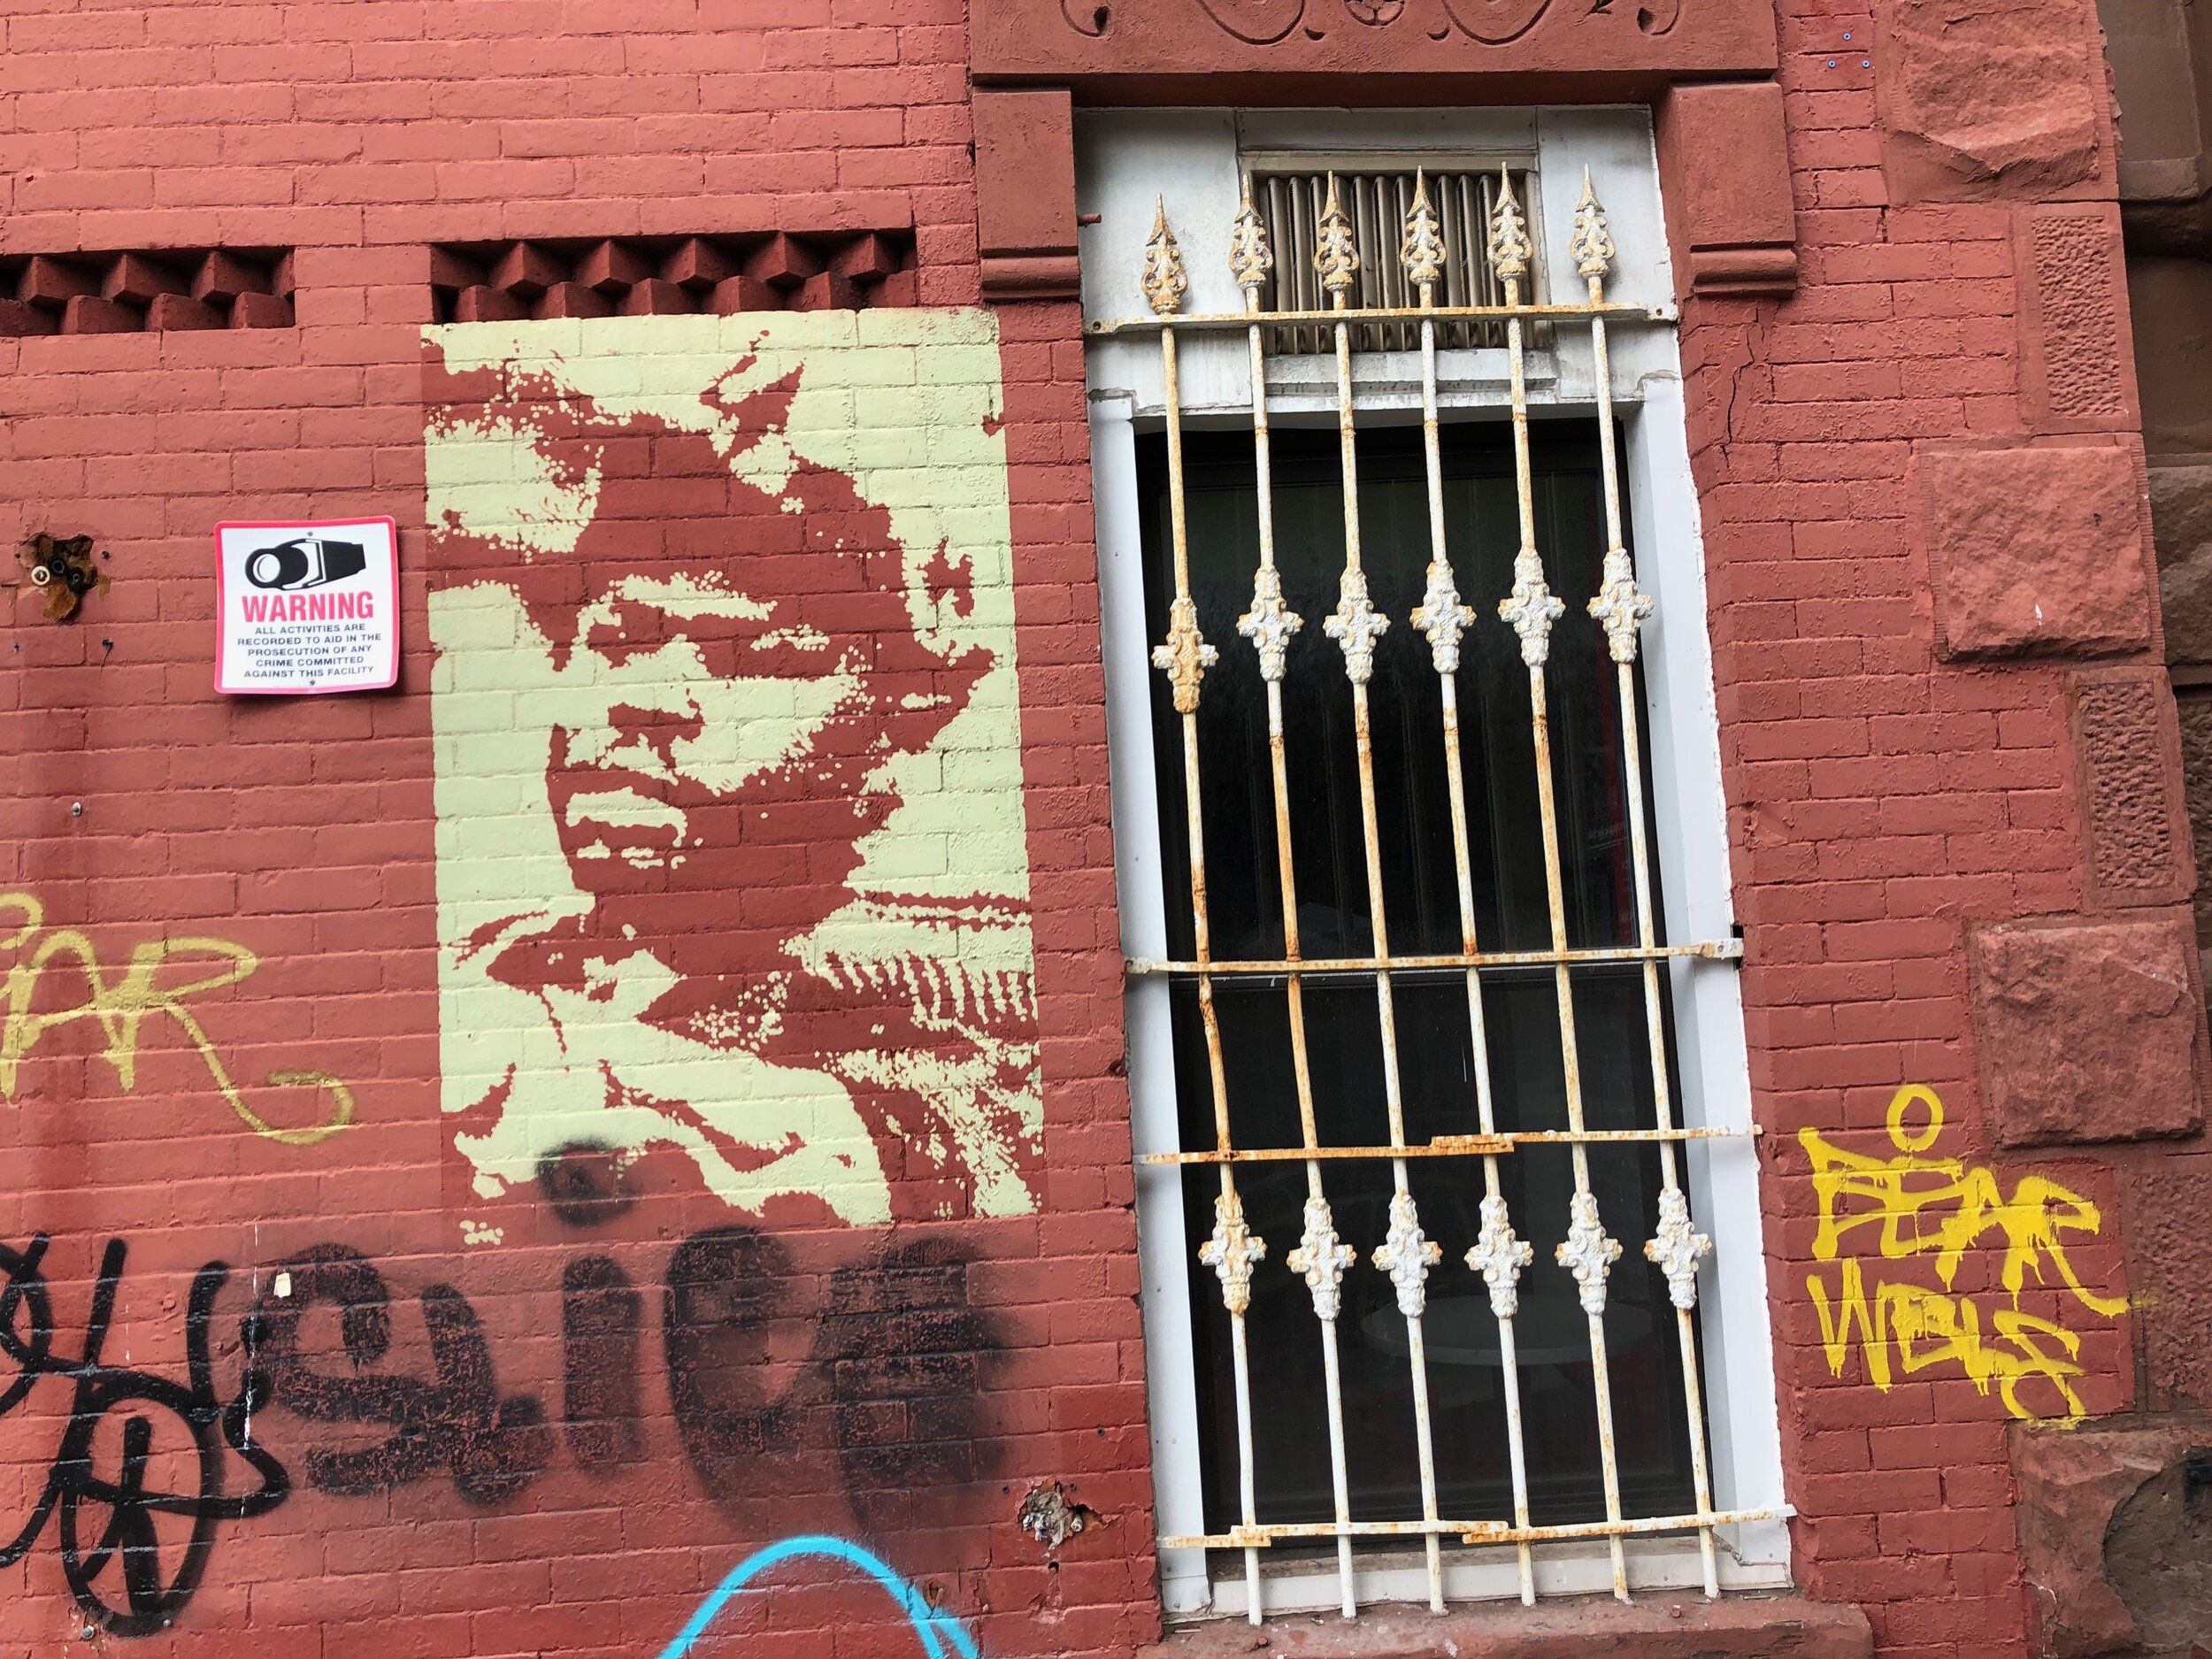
(1335, 255)
(1509, 247)
(1164, 281)
(1250, 258)
(1593, 243)
(1422, 248)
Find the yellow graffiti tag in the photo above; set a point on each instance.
(1942, 1207)
(120, 1007)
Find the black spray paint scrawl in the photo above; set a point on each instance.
(107, 1521)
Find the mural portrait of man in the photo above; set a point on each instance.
(731, 855)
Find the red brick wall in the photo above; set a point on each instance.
(715, 1421)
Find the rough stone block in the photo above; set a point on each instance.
(2076, 367)
(2114, 1559)
(2088, 1031)
(2127, 756)
(2181, 525)
(2034, 547)
(1982, 100)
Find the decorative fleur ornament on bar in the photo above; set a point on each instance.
(1406, 1254)
(1250, 258)
(1321, 1258)
(1499, 1257)
(1531, 607)
(1231, 1252)
(1186, 656)
(1423, 248)
(1441, 618)
(1270, 623)
(1163, 282)
(1593, 241)
(1356, 624)
(1620, 605)
(1676, 1248)
(1509, 248)
(1587, 1253)
(1335, 255)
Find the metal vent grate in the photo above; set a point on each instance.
(1377, 202)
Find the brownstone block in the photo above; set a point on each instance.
(2034, 547)
(2127, 758)
(1990, 100)
(181, 311)
(260, 310)
(2076, 366)
(2089, 1031)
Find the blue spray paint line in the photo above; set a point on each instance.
(935, 1628)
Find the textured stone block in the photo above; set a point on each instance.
(1723, 165)
(2181, 524)
(2076, 372)
(2106, 1540)
(2088, 1031)
(2034, 547)
(1983, 100)
(2127, 758)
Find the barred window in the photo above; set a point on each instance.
(1429, 1131)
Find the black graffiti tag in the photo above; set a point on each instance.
(456, 1421)
(75, 1492)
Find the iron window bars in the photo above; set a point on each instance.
(1406, 1255)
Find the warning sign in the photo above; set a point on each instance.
(307, 607)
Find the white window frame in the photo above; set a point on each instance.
(1192, 158)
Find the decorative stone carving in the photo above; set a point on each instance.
(2076, 365)
(2034, 547)
(2088, 1031)
(2127, 755)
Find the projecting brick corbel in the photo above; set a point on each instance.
(1724, 173)
(1025, 193)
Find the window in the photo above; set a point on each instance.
(1409, 996)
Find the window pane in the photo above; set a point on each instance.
(1434, 1041)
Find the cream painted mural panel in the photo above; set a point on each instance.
(730, 851)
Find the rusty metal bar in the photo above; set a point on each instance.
(1406, 1254)
(1321, 1256)
(1532, 609)
(1722, 950)
(1454, 1146)
(1622, 607)
(1184, 657)
(1478, 1533)
(1393, 313)
(1442, 619)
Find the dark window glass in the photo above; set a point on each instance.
(1290, 1426)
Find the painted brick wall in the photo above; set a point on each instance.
(558, 1426)
(564, 1435)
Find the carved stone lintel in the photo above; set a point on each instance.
(1232, 1251)
(1676, 1248)
(1356, 624)
(1531, 607)
(1321, 1258)
(1270, 623)
(1498, 1257)
(1406, 1254)
(1185, 656)
(1587, 1253)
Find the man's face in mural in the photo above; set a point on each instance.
(736, 674)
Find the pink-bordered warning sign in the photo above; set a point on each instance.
(306, 607)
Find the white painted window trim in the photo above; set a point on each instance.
(1124, 160)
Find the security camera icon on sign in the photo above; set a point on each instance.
(308, 561)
